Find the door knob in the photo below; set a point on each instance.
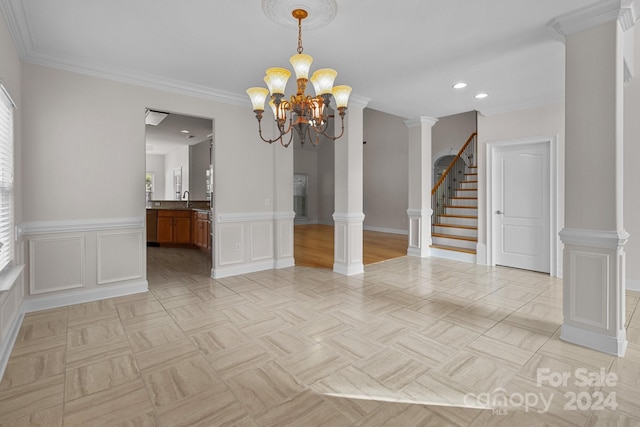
(499, 212)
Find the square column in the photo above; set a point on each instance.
(594, 235)
(283, 214)
(348, 216)
(420, 174)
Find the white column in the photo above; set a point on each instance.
(594, 235)
(348, 216)
(420, 173)
(283, 214)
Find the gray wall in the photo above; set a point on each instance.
(385, 157)
(451, 132)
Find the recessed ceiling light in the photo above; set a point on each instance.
(481, 95)
(184, 131)
(459, 85)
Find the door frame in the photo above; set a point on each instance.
(555, 264)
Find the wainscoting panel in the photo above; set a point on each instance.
(261, 242)
(56, 264)
(251, 242)
(230, 249)
(119, 257)
(71, 262)
(589, 282)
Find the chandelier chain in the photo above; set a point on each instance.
(300, 49)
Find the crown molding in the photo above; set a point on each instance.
(626, 12)
(15, 17)
(418, 121)
(145, 80)
(357, 101)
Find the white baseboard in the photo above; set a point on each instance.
(6, 347)
(45, 302)
(604, 343)
(348, 270)
(633, 285)
(453, 255)
(284, 263)
(220, 273)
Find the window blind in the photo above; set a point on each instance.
(6, 178)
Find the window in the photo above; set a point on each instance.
(6, 178)
(149, 186)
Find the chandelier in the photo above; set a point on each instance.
(306, 114)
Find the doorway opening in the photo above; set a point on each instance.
(179, 190)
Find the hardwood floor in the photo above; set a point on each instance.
(314, 246)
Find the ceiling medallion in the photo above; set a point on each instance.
(321, 12)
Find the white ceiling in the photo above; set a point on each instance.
(168, 135)
(403, 55)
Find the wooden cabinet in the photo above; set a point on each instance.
(152, 226)
(200, 230)
(174, 226)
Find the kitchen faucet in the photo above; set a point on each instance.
(186, 194)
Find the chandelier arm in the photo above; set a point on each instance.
(288, 143)
(333, 138)
(262, 138)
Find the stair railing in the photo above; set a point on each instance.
(451, 178)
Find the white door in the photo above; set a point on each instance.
(521, 206)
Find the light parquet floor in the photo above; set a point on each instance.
(314, 246)
(409, 342)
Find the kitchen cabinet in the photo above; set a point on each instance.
(174, 226)
(201, 230)
(152, 225)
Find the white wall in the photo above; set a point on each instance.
(533, 122)
(631, 170)
(176, 159)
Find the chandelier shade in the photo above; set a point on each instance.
(341, 94)
(301, 63)
(258, 96)
(276, 80)
(323, 79)
(309, 116)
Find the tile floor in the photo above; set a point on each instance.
(410, 342)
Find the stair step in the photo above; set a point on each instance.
(466, 227)
(469, 202)
(451, 248)
(464, 220)
(451, 236)
(461, 210)
(455, 230)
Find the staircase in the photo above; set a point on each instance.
(455, 205)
